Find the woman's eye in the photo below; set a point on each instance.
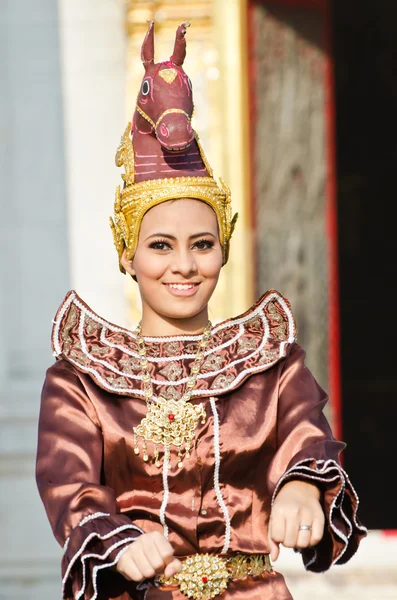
(145, 87)
(203, 244)
(200, 245)
(159, 246)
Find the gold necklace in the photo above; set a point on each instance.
(169, 422)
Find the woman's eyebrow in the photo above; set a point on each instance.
(172, 237)
(202, 234)
(164, 235)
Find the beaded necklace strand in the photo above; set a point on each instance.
(169, 422)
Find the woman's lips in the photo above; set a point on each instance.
(182, 289)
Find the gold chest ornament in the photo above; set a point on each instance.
(169, 422)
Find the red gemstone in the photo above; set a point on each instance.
(171, 417)
(204, 579)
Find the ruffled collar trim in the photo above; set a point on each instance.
(240, 347)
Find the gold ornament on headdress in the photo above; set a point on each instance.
(135, 199)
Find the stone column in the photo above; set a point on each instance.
(93, 64)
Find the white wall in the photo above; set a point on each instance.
(34, 272)
(61, 118)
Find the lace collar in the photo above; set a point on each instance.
(247, 344)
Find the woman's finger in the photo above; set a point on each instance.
(304, 536)
(277, 528)
(276, 534)
(164, 548)
(141, 561)
(291, 529)
(173, 568)
(317, 530)
(172, 565)
(274, 549)
(153, 556)
(127, 568)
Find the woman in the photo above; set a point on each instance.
(172, 461)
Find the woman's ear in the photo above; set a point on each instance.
(127, 263)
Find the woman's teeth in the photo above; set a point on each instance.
(181, 286)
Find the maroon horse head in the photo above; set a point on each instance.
(163, 140)
(165, 100)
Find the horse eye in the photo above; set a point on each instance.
(145, 87)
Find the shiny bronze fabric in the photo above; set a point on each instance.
(270, 423)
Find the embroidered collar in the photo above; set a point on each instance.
(247, 344)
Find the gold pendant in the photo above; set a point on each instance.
(169, 423)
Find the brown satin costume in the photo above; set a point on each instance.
(264, 425)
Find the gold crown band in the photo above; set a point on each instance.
(135, 199)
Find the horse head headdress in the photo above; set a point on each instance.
(161, 153)
(165, 101)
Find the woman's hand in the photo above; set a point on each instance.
(296, 504)
(150, 555)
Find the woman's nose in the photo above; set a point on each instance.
(184, 263)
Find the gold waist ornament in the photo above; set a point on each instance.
(205, 576)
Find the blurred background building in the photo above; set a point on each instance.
(295, 107)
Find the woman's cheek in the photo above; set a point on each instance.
(214, 271)
(210, 264)
(150, 266)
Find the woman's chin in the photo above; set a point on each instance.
(177, 307)
(186, 313)
(182, 308)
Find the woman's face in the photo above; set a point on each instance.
(177, 261)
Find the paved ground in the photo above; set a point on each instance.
(370, 575)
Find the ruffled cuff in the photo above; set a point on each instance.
(343, 530)
(94, 546)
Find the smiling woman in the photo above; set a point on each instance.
(177, 263)
(173, 460)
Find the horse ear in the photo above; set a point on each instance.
(179, 53)
(147, 51)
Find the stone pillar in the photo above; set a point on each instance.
(93, 64)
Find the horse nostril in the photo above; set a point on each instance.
(164, 130)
